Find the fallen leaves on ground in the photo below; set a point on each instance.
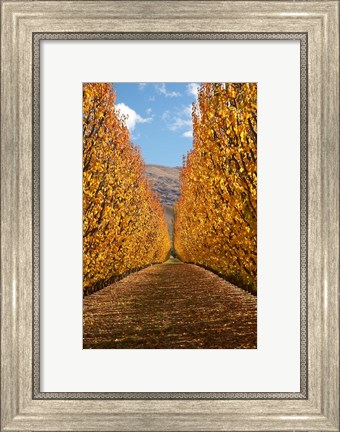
(170, 306)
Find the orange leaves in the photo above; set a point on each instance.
(123, 222)
(216, 214)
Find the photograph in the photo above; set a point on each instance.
(169, 215)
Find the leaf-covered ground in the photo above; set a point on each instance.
(170, 306)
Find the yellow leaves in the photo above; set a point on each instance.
(231, 91)
(215, 221)
(123, 223)
(243, 136)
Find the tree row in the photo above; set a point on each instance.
(123, 222)
(216, 215)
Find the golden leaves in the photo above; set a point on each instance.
(123, 222)
(216, 217)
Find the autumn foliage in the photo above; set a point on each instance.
(216, 213)
(123, 223)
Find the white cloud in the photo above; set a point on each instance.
(132, 117)
(192, 89)
(187, 134)
(141, 86)
(166, 115)
(161, 88)
(179, 121)
(149, 111)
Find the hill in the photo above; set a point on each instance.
(165, 181)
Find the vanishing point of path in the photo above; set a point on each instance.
(170, 306)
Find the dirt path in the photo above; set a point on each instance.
(170, 306)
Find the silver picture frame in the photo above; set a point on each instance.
(313, 23)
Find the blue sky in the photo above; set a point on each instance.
(159, 118)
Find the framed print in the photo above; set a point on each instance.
(162, 269)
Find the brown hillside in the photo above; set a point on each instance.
(169, 217)
(165, 181)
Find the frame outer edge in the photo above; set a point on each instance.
(9, 219)
(12, 279)
(330, 227)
